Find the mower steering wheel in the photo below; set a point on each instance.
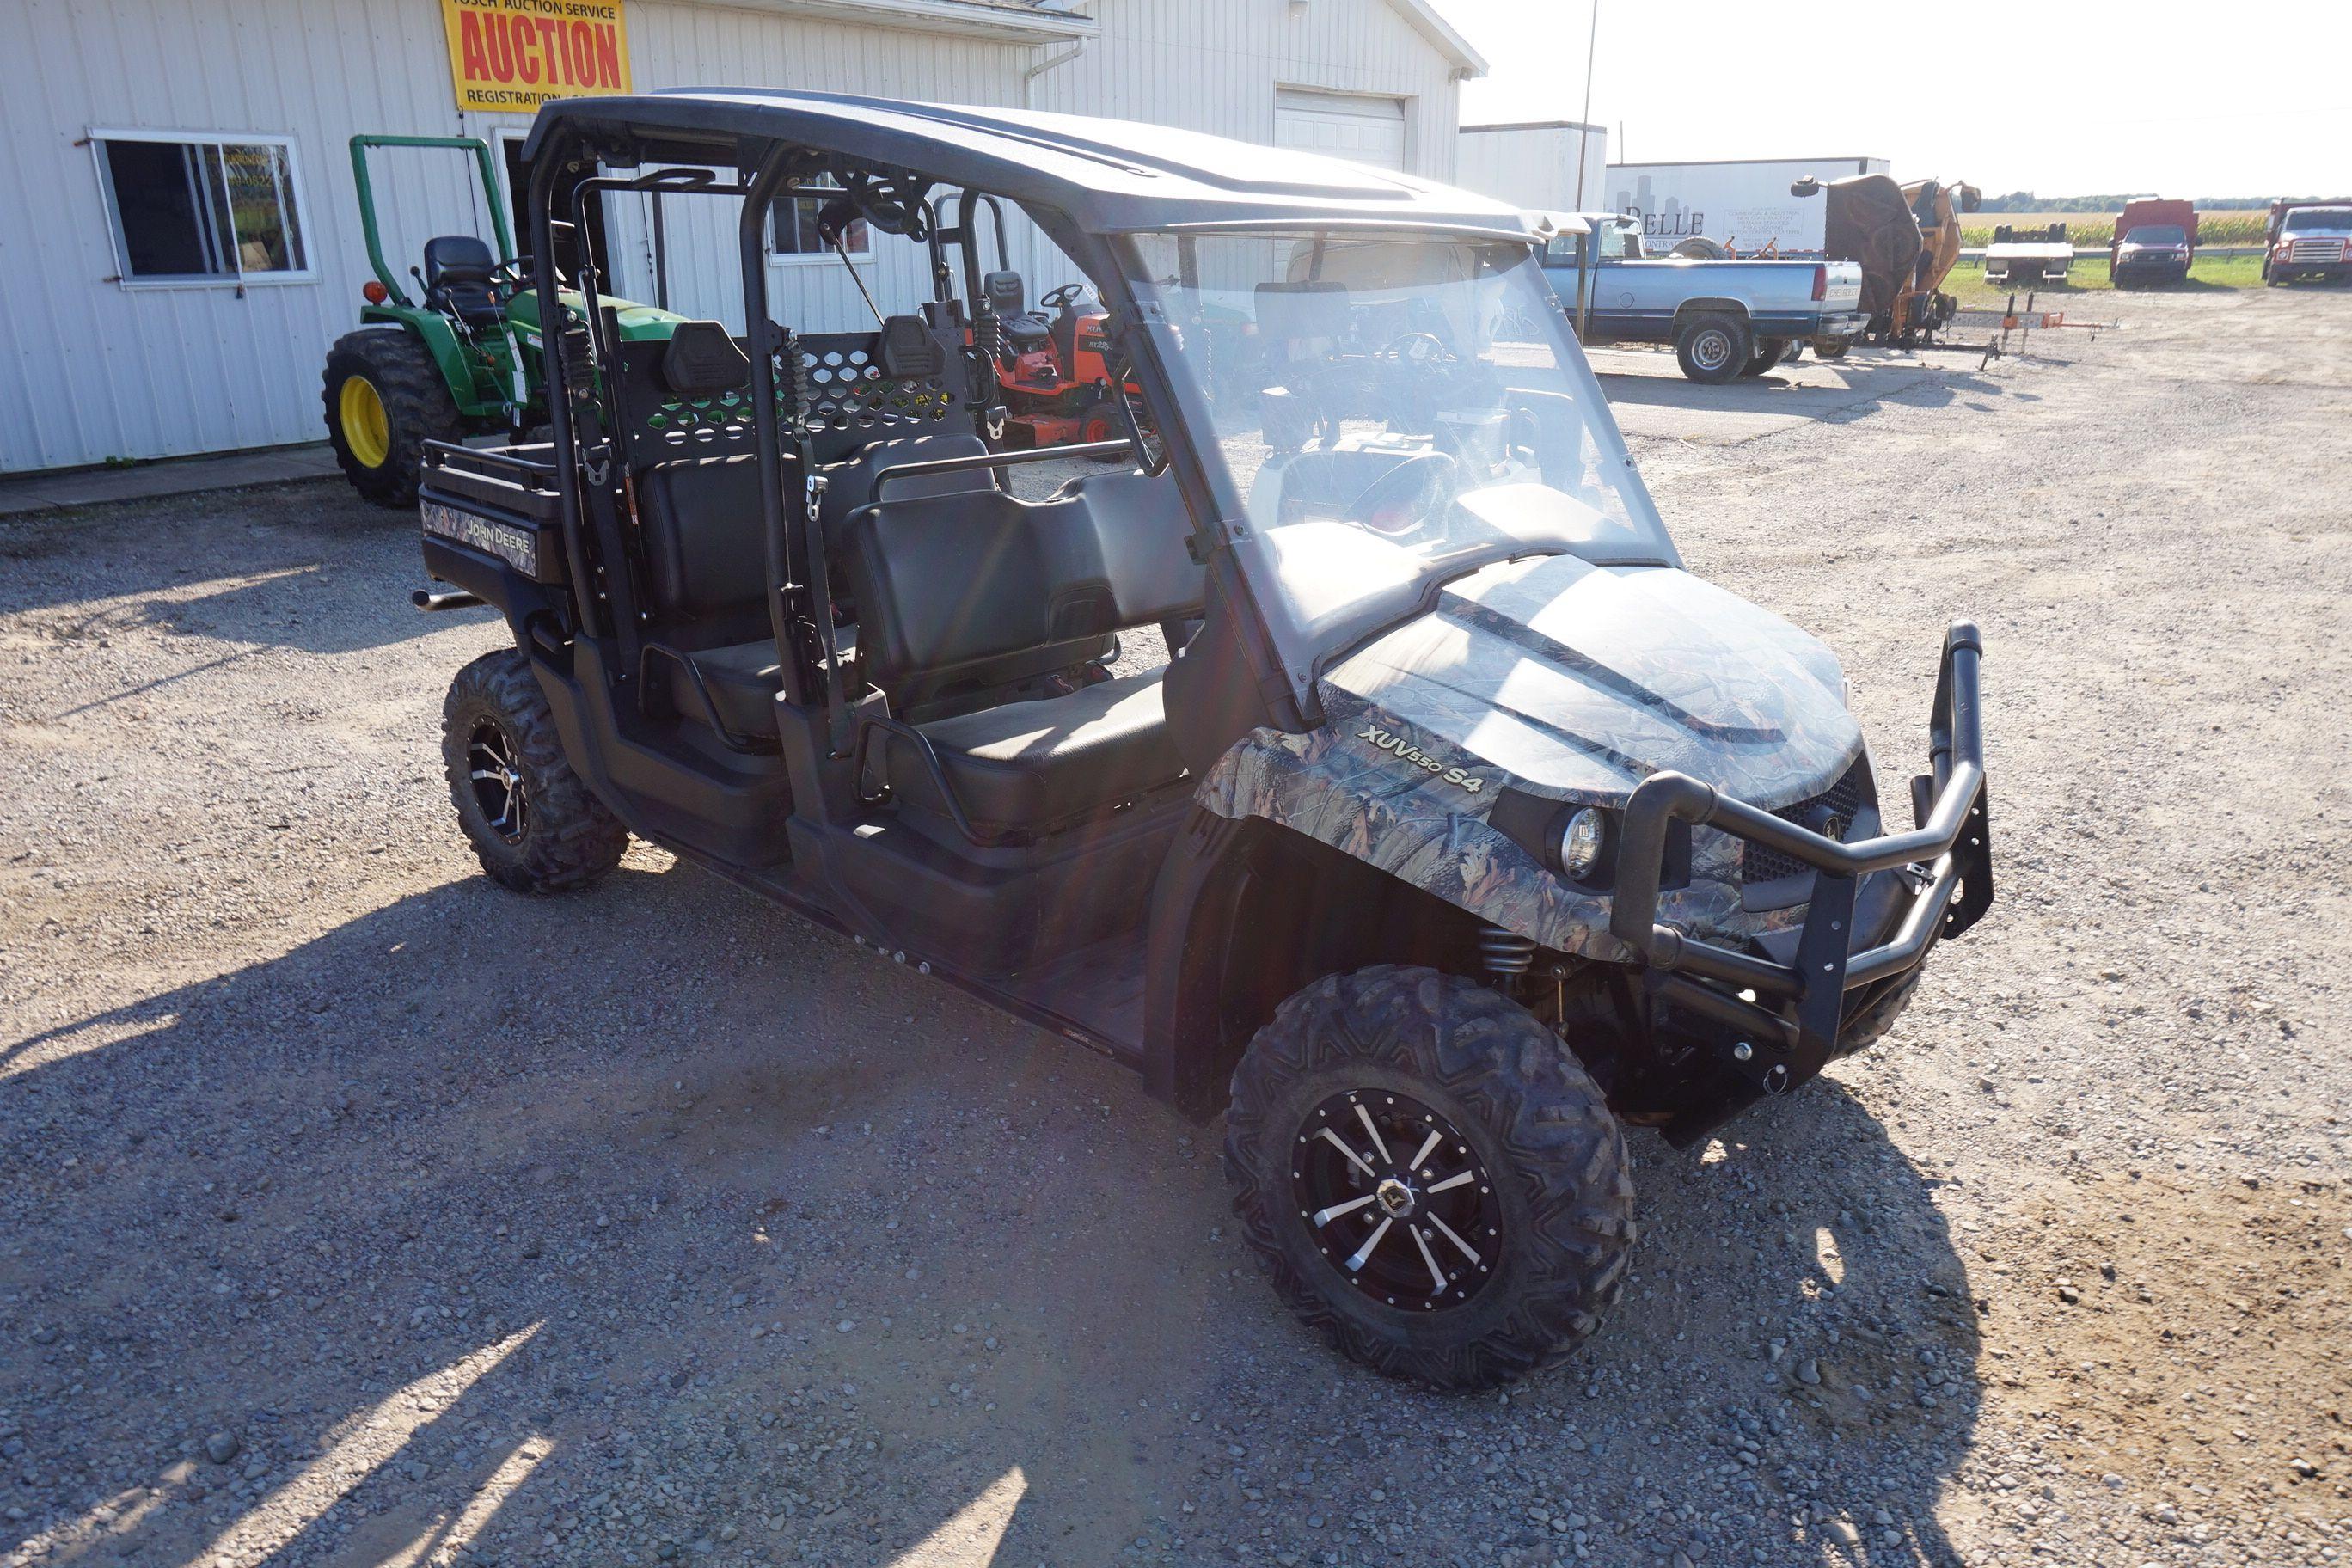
(1065, 294)
(1398, 502)
(1415, 349)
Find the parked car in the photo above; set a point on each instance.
(1725, 318)
(2308, 239)
(2154, 241)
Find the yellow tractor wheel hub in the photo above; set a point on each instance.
(365, 430)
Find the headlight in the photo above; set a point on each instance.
(1581, 844)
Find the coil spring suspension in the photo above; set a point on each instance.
(1507, 955)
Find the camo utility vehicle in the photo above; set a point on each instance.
(1463, 829)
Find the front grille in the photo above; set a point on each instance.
(2316, 251)
(1831, 811)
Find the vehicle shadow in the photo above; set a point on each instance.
(651, 1221)
(1831, 393)
(259, 566)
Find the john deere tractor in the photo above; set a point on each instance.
(460, 360)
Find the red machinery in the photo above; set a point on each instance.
(1055, 374)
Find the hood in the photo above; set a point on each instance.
(1580, 682)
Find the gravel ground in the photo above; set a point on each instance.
(355, 1212)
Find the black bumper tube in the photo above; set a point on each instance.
(1947, 861)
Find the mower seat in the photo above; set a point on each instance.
(458, 268)
(1008, 298)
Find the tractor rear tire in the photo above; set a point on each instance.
(1505, 1103)
(1714, 348)
(533, 823)
(384, 398)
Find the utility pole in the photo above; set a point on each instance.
(1583, 146)
(1584, 123)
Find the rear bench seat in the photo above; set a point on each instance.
(949, 583)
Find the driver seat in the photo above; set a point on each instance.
(458, 268)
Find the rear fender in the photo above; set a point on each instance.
(440, 340)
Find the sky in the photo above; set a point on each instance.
(2155, 98)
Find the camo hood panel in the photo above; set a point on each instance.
(1562, 679)
(1580, 682)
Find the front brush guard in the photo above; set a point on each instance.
(1789, 1041)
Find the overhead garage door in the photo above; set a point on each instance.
(1341, 125)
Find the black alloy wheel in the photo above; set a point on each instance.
(1396, 1201)
(500, 791)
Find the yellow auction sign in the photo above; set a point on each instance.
(511, 56)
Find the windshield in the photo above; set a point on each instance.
(2302, 220)
(1387, 412)
(2157, 234)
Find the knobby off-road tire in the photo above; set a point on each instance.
(412, 401)
(532, 823)
(1527, 1117)
(1714, 348)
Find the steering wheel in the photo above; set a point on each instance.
(1415, 349)
(1066, 295)
(1398, 502)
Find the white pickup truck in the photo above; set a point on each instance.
(1725, 318)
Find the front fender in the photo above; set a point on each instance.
(1341, 787)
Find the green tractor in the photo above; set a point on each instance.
(461, 360)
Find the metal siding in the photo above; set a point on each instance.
(93, 369)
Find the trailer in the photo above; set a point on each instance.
(1548, 166)
(2029, 256)
(1746, 207)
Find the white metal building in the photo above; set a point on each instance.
(178, 213)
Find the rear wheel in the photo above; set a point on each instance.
(1768, 353)
(384, 398)
(1429, 1177)
(534, 824)
(1712, 349)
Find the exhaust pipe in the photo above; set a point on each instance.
(444, 599)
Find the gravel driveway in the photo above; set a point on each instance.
(354, 1211)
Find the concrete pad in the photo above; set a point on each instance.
(145, 482)
(1652, 397)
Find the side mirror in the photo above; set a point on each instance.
(1809, 186)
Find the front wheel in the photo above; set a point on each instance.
(532, 822)
(1429, 1177)
(1100, 420)
(1712, 349)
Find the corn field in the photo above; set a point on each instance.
(2242, 228)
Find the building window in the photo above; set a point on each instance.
(192, 209)
(793, 232)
